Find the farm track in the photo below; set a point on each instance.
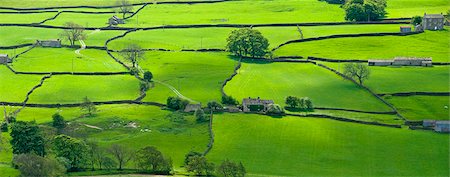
(175, 91)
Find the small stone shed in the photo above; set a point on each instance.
(255, 104)
(192, 107)
(433, 21)
(55, 43)
(114, 20)
(4, 58)
(402, 61)
(405, 29)
(442, 126)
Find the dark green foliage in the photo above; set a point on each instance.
(354, 12)
(190, 155)
(357, 71)
(231, 169)
(27, 138)
(11, 118)
(75, 150)
(334, 1)
(229, 100)
(308, 105)
(416, 20)
(150, 159)
(4, 127)
(122, 154)
(34, 165)
(275, 109)
(303, 104)
(365, 10)
(200, 165)
(148, 76)
(247, 42)
(144, 86)
(58, 121)
(176, 103)
(108, 163)
(200, 115)
(88, 107)
(214, 106)
(176, 117)
(292, 101)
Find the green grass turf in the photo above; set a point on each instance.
(85, 20)
(25, 18)
(409, 8)
(46, 3)
(382, 118)
(276, 81)
(422, 107)
(60, 59)
(14, 88)
(293, 146)
(72, 89)
(13, 52)
(429, 44)
(21, 35)
(247, 12)
(177, 39)
(198, 76)
(6, 156)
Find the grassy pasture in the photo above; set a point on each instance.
(195, 38)
(13, 88)
(86, 20)
(318, 147)
(60, 59)
(72, 89)
(382, 118)
(409, 8)
(429, 44)
(278, 80)
(6, 156)
(46, 3)
(21, 35)
(422, 107)
(25, 18)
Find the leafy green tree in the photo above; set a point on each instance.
(27, 138)
(247, 42)
(416, 20)
(190, 155)
(58, 121)
(88, 107)
(214, 106)
(150, 159)
(176, 103)
(133, 53)
(4, 127)
(308, 105)
(354, 12)
(229, 100)
(362, 10)
(122, 154)
(108, 163)
(75, 150)
(34, 165)
(200, 165)
(148, 76)
(357, 71)
(231, 169)
(73, 32)
(292, 101)
(200, 115)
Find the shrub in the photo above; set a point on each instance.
(148, 76)
(34, 165)
(200, 115)
(215, 106)
(58, 121)
(229, 100)
(4, 127)
(416, 20)
(231, 169)
(190, 155)
(176, 103)
(275, 109)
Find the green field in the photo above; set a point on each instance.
(25, 18)
(422, 107)
(409, 8)
(66, 60)
(14, 88)
(316, 147)
(278, 80)
(72, 89)
(386, 47)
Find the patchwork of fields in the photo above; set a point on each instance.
(192, 62)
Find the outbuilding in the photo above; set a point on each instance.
(255, 104)
(4, 59)
(114, 20)
(442, 126)
(192, 107)
(403, 61)
(433, 21)
(55, 43)
(405, 29)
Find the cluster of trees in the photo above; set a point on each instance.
(198, 164)
(145, 83)
(364, 10)
(416, 20)
(303, 103)
(176, 103)
(247, 42)
(357, 71)
(229, 100)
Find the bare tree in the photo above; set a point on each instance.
(122, 154)
(74, 32)
(133, 53)
(357, 70)
(124, 7)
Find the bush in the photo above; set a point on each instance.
(247, 42)
(4, 127)
(148, 76)
(190, 155)
(200, 115)
(416, 20)
(229, 100)
(275, 109)
(231, 169)
(215, 106)
(176, 103)
(58, 121)
(34, 165)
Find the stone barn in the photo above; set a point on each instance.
(255, 104)
(4, 59)
(405, 29)
(55, 43)
(433, 21)
(402, 61)
(442, 126)
(192, 107)
(114, 20)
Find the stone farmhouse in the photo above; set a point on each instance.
(55, 43)
(433, 21)
(402, 61)
(255, 104)
(442, 126)
(405, 29)
(4, 59)
(192, 107)
(114, 20)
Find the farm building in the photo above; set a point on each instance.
(418, 28)
(255, 104)
(405, 29)
(429, 123)
(433, 21)
(192, 107)
(49, 43)
(4, 59)
(114, 20)
(442, 126)
(402, 61)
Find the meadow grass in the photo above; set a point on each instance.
(429, 44)
(46, 3)
(6, 156)
(276, 81)
(382, 118)
(195, 38)
(410, 8)
(21, 35)
(14, 88)
(66, 60)
(72, 89)
(25, 18)
(293, 146)
(422, 107)
(85, 20)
